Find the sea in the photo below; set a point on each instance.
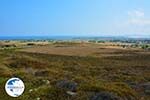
(36, 37)
(71, 38)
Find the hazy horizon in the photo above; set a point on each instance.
(70, 37)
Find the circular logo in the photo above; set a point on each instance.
(14, 87)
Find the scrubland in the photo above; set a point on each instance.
(77, 71)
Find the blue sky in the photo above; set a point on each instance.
(74, 17)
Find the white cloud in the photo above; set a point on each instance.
(136, 13)
(135, 22)
(137, 17)
(142, 22)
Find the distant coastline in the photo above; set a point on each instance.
(74, 37)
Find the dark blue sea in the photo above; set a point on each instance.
(36, 37)
(69, 38)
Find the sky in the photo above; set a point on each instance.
(74, 17)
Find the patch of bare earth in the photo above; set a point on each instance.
(84, 49)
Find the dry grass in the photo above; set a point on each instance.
(94, 68)
(82, 49)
